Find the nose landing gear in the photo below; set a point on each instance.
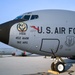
(58, 65)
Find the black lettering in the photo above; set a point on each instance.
(74, 30)
(56, 30)
(40, 30)
(18, 37)
(62, 30)
(25, 42)
(19, 42)
(70, 30)
(48, 30)
(25, 38)
(22, 33)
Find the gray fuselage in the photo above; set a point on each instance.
(53, 32)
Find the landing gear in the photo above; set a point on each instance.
(58, 65)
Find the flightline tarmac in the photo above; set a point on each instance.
(31, 65)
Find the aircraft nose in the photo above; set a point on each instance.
(4, 33)
(5, 30)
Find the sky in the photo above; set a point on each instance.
(9, 9)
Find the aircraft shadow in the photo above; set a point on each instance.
(69, 63)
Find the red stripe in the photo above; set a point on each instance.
(35, 27)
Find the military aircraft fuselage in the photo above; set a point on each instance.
(51, 32)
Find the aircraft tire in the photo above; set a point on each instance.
(60, 67)
(53, 66)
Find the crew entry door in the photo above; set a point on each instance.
(49, 45)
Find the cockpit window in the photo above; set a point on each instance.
(19, 17)
(34, 17)
(26, 17)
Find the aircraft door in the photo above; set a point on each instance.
(49, 45)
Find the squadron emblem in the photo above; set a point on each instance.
(70, 41)
(22, 27)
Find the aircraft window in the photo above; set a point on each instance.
(26, 17)
(34, 17)
(19, 17)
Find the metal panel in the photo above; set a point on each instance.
(50, 45)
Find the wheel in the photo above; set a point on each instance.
(53, 66)
(60, 67)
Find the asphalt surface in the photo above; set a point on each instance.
(31, 65)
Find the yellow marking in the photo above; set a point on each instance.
(53, 72)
